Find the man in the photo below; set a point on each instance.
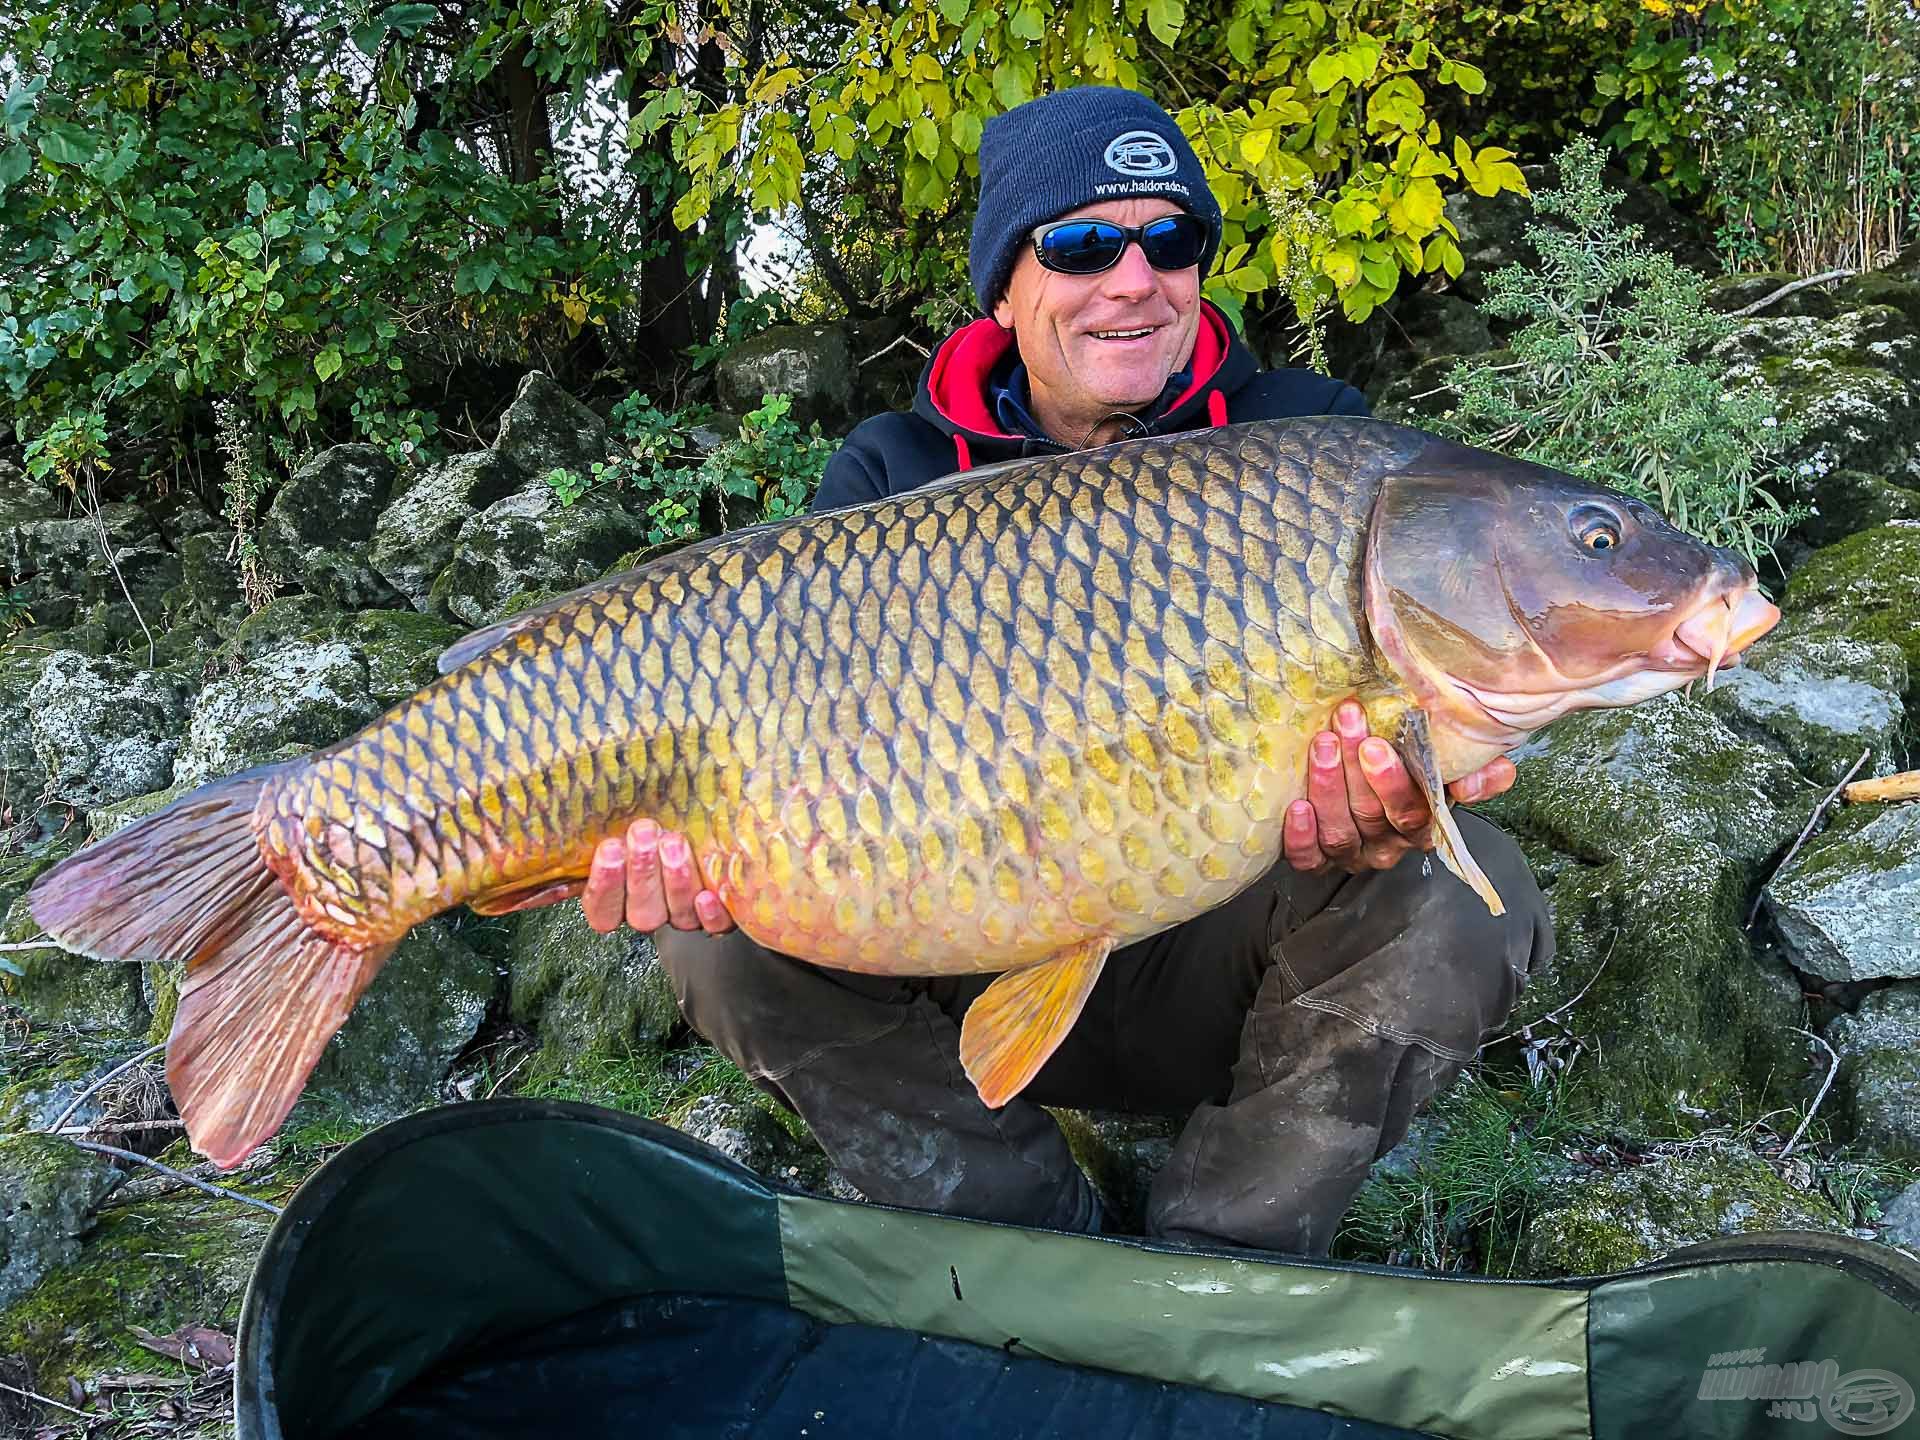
(1297, 1027)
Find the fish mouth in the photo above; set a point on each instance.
(1709, 640)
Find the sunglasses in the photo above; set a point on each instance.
(1086, 247)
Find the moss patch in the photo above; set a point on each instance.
(585, 992)
(1867, 587)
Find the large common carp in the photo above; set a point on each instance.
(1007, 723)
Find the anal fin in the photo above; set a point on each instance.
(525, 897)
(1416, 749)
(1020, 1019)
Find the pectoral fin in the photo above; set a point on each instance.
(1022, 1017)
(1416, 749)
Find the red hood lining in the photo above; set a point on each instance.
(957, 383)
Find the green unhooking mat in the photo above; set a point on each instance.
(516, 1269)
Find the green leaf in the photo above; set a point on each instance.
(245, 244)
(954, 12)
(1240, 39)
(1010, 85)
(1164, 19)
(65, 145)
(408, 20)
(1326, 71)
(14, 164)
(10, 967)
(328, 363)
(1468, 78)
(256, 198)
(1027, 25)
(966, 131)
(926, 138)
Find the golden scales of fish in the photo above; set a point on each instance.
(1007, 723)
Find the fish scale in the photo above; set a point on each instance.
(954, 731)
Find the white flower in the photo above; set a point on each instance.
(1769, 421)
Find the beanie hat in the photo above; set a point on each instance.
(1073, 148)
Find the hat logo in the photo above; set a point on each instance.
(1142, 154)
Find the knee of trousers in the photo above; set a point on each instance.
(768, 1012)
(1497, 952)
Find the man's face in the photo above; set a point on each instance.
(1079, 367)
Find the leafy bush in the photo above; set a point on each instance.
(771, 463)
(1602, 381)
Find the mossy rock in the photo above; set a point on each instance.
(422, 1009)
(275, 624)
(402, 648)
(585, 992)
(1879, 1081)
(48, 1188)
(1595, 1221)
(178, 1259)
(1820, 699)
(1849, 501)
(1647, 828)
(1866, 587)
(61, 988)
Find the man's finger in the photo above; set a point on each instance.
(1496, 777)
(714, 918)
(646, 901)
(681, 884)
(1401, 801)
(605, 895)
(1300, 839)
(1327, 794)
(1369, 815)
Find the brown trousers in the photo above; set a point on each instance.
(1299, 1027)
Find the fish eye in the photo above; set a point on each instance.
(1595, 527)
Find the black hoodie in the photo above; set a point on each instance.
(952, 426)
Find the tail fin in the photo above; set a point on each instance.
(264, 991)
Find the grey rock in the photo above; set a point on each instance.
(545, 428)
(810, 364)
(1866, 587)
(313, 533)
(1822, 700)
(749, 1134)
(587, 993)
(306, 694)
(104, 729)
(1879, 1083)
(1847, 501)
(48, 1193)
(414, 537)
(21, 778)
(210, 581)
(1900, 1221)
(530, 541)
(1848, 905)
(423, 1007)
(63, 562)
(57, 987)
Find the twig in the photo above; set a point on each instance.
(1785, 290)
(518, 1065)
(216, 1190)
(34, 1395)
(1832, 795)
(119, 1127)
(106, 549)
(906, 340)
(1562, 1009)
(82, 1097)
(1825, 1085)
(1904, 786)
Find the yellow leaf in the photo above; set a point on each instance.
(1254, 145)
(1418, 209)
(1341, 265)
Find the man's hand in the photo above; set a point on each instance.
(648, 880)
(1362, 810)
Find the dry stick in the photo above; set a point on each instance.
(1904, 786)
(1785, 290)
(1551, 1014)
(185, 1179)
(126, 1127)
(897, 340)
(82, 1097)
(1832, 1070)
(1832, 795)
(106, 549)
(44, 1400)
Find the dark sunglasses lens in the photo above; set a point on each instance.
(1082, 248)
(1174, 242)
